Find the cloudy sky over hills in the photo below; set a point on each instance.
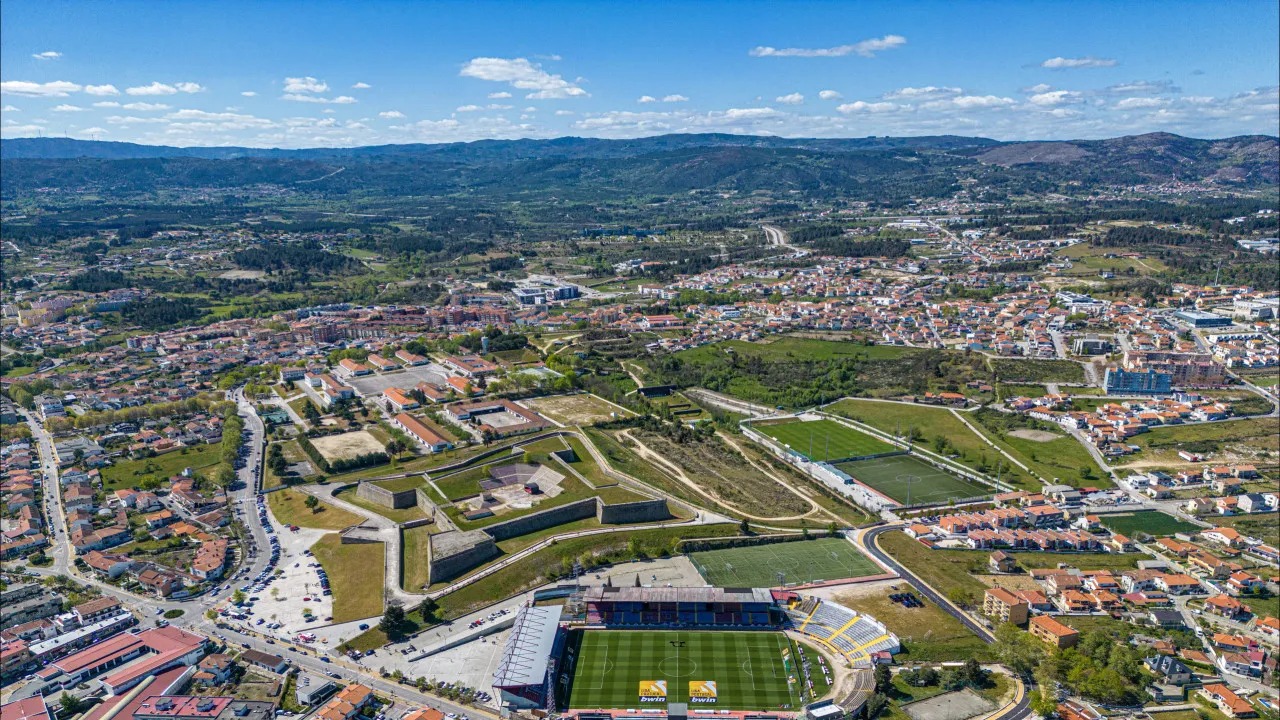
(294, 74)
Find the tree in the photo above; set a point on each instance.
(832, 528)
(884, 679)
(71, 705)
(744, 527)
(875, 705)
(311, 502)
(238, 597)
(1018, 650)
(637, 580)
(972, 674)
(392, 621)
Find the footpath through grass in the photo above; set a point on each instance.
(289, 508)
(355, 576)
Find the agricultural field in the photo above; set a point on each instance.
(825, 439)
(347, 445)
(796, 562)
(131, 474)
(932, 423)
(912, 481)
(581, 409)
(747, 668)
(1038, 371)
(1153, 523)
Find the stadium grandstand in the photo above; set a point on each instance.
(526, 672)
(857, 638)
(681, 607)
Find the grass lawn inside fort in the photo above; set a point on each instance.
(747, 668)
(908, 479)
(799, 562)
(826, 439)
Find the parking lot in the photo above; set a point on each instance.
(405, 379)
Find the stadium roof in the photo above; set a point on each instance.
(524, 659)
(678, 595)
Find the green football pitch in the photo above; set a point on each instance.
(1156, 524)
(910, 480)
(799, 562)
(828, 440)
(747, 668)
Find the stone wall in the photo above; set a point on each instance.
(540, 520)
(424, 503)
(397, 500)
(455, 552)
(633, 512)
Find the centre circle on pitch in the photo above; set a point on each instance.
(677, 666)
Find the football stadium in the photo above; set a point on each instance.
(664, 652)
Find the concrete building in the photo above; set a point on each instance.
(1005, 606)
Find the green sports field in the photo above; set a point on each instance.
(1153, 523)
(747, 668)
(828, 439)
(890, 476)
(800, 562)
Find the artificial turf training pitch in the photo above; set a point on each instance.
(908, 479)
(828, 440)
(797, 562)
(746, 669)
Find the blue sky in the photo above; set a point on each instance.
(295, 74)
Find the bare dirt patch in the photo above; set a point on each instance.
(347, 445)
(574, 409)
(1034, 435)
(1008, 582)
(242, 275)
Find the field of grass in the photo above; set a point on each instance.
(355, 575)
(1012, 370)
(783, 347)
(464, 483)
(932, 422)
(1248, 436)
(586, 464)
(1013, 390)
(539, 567)
(1059, 460)
(131, 473)
(798, 562)
(1155, 524)
(889, 475)
(625, 461)
(399, 516)
(826, 439)
(414, 568)
(289, 508)
(747, 667)
(927, 634)
(1261, 525)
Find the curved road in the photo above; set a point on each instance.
(1021, 708)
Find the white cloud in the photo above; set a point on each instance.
(499, 95)
(475, 108)
(1061, 63)
(929, 92)
(47, 55)
(107, 104)
(146, 106)
(189, 87)
(328, 111)
(12, 131)
(674, 98)
(522, 75)
(1037, 88)
(57, 88)
(391, 114)
(468, 108)
(792, 99)
(68, 108)
(745, 113)
(304, 85)
(866, 48)
(830, 95)
(978, 101)
(1138, 103)
(361, 86)
(1144, 87)
(154, 88)
(565, 112)
(530, 109)
(297, 97)
(865, 107)
(199, 119)
(9, 108)
(132, 120)
(92, 131)
(101, 90)
(647, 99)
(249, 93)
(552, 58)
(1054, 97)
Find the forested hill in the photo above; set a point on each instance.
(883, 169)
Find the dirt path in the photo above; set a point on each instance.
(817, 509)
(678, 473)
